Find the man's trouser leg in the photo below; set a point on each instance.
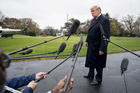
(91, 73)
(99, 74)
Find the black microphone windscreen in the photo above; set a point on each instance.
(101, 29)
(80, 44)
(75, 48)
(62, 47)
(27, 52)
(124, 65)
(74, 27)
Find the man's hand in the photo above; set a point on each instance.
(101, 52)
(32, 85)
(86, 44)
(41, 74)
(60, 85)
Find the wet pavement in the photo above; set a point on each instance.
(112, 79)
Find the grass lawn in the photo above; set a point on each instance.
(20, 41)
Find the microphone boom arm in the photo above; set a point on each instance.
(73, 29)
(73, 66)
(21, 58)
(25, 48)
(38, 54)
(107, 40)
(55, 67)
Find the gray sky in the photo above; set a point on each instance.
(54, 12)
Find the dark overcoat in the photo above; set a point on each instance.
(96, 43)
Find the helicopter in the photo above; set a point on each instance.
(6, 32)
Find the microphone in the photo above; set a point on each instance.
(102, 33)
(73, 28)
(124, 65)
(75, 48)
(102, 30)
(27, 52)
(80, 43)
(61, 48)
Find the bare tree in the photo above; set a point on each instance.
(129, 23)
(50, 31)
(33, 27)
(137, 27)
(2, 17)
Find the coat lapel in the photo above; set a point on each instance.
(93, 24)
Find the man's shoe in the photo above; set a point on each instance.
(95, 83)
(87, 77)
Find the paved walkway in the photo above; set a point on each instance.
(112, 79)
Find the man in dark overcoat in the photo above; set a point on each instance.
(97, 46)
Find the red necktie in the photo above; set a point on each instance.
(94, 19)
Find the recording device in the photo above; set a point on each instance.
(103, 33)
(124, 65)
(61, 48)
(74, 51)
(73, 28)
(27, 52)
(75, 48)
(102, 30)
(79, 45)
(107, 40)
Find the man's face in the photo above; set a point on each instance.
(95, 12)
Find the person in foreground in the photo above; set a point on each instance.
(11, 85)
(97, 46)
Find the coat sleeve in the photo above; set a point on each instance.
(86, 39)
(88, 30)
(20, 81)
(106, 28)
(28, 90)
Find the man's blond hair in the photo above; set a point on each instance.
(96, 7)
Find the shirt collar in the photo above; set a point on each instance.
(98, 15)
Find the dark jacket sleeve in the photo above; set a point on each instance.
(20, 81)
(86, 39)
(106, 28)
(28, 90)
(88, 30)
